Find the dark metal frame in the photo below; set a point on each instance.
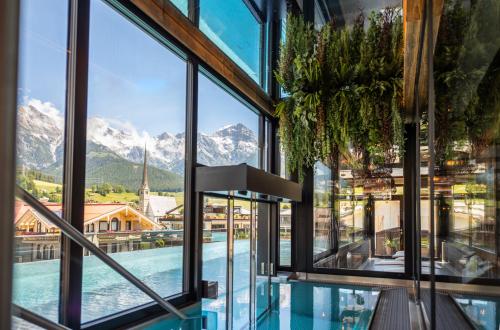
(74, 162)
(9, 39)
(75, 153)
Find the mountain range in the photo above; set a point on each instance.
(115, 152)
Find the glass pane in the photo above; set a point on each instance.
(467, 138)
(135, 158)
(215, 260)
(241, 266)
(40, 152)
(285, 234)
(182, 5)
(263, 266)
(227, 129)
(322, 209)
(234, 29)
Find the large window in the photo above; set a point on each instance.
(467, 140)
(40, 147)
(227, 129)
(135, 163)
(236, 31)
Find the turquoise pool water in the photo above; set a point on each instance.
(36, 284)
(298, 305)
(484, 312)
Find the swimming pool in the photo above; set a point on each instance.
(105, 292)
(484, 312)
(297, 305)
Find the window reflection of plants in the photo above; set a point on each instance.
(467, 80)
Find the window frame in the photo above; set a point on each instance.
(75, 153)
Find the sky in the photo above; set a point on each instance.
(133, 79)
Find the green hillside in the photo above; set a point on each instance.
(104, 166)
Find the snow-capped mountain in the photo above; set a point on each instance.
(40, 137)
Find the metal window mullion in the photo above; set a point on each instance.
(191, 274)
(261, 141)
(194, 11)
(74, 162)
(262, 54)
(230, 255)
(431, 137)
(253, 259)
(270, 264)
(9, 40)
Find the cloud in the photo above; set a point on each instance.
(47, 108)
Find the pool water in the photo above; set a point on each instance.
(484, 312)
(105, 292)
(296, 305)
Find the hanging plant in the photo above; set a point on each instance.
(299, 74)
(344, 92)
(380, 88)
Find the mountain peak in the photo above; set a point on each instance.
(237, 131)
(41, 142)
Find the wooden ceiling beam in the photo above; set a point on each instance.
(413, 12)
(169, 18)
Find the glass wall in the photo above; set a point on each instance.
(322, 213)
(285, 235)
(467, 139)
(224, 25)
(227, 129)
(135, 163)
(365, 231)
(40, 153)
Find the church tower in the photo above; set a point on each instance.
(144, 189)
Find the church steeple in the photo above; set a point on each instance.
(145, 183)
(144, 189)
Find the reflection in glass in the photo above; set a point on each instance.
(322, 208)
(224, 26)
(467, 81)
(182, 5)
(135, 164)
(285, 237)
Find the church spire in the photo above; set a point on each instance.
(144, 189)
(145, 183)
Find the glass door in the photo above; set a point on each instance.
(262, 260)
(243, 217)
(236, 261)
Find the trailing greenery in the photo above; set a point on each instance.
(344, 92)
